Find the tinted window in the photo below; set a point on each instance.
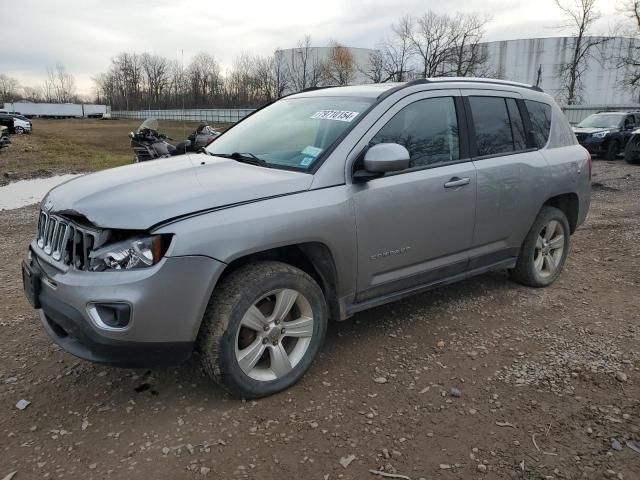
(492, 126)
(540, 118)
(517, 125)
(427, 128)
(629, 121)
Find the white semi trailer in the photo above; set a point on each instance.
(58, 110)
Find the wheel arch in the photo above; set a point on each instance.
(313, 258)
(569, 204)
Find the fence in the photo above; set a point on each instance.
(217, 115)
(576, 113)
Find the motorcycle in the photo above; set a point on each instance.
(4, 137)
(202, 136)
(149, 144)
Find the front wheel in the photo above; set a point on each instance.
(263, 327)
(612, 150)
(632, 150)
(19, 130)
(544, 250)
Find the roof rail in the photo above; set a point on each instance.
(311, 89)
(424, 81)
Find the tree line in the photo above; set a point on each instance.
(428, 45)
(425, 46)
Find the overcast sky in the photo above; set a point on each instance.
(84, 34)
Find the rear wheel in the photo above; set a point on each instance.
(262, 329)
(544, 250)
(612, 150)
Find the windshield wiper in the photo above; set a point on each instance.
(249, 158)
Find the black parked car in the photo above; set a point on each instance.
(607, 133)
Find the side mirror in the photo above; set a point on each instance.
(383, 158)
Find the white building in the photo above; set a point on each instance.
(520, 60)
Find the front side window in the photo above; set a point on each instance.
(492, 125)
(427, 128)
(293, 132)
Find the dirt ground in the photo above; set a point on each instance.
(76, 146)
(483, 379)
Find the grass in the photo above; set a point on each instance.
(76, 145)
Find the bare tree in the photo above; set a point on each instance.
(467, 56)
(281, 73)
(630, 59)
(8, 88)
(156, 72)
(304, 67)
(397, 50)
(340, 67)
(373, 70)
(432, 37)
(204, 77)
(264, 79)
(59, 86)
(580, 15)
(32, 94)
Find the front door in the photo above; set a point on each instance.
(415, 227)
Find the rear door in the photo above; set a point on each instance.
(511, 175)
(415, 227)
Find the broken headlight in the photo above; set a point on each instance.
(139, 252)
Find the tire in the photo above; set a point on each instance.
(533, 267)
(230, 336)
(18, 130)
(612, 150)
(632, 150)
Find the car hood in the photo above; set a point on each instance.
(591, 130)
(141, 195)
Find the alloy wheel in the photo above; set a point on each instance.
(549, 249)
(274, 335)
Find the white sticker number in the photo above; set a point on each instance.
(340, 115)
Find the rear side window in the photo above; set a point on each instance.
(540, 118)
(517, 125)
(428, 129)
(492, 125)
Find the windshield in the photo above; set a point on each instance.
(149, 124)
(601, 121)
(293, 132)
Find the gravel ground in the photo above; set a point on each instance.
(483, 379)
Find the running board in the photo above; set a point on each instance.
(392, 297)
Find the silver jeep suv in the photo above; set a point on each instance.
(316, 207)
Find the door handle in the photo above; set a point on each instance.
(457, 182)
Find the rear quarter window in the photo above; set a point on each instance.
(540, 118)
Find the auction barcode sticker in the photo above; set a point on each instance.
(340, 115)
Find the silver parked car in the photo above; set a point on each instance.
(321, 205)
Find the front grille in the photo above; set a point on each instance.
(64, 241)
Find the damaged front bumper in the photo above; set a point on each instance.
(141, 318)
